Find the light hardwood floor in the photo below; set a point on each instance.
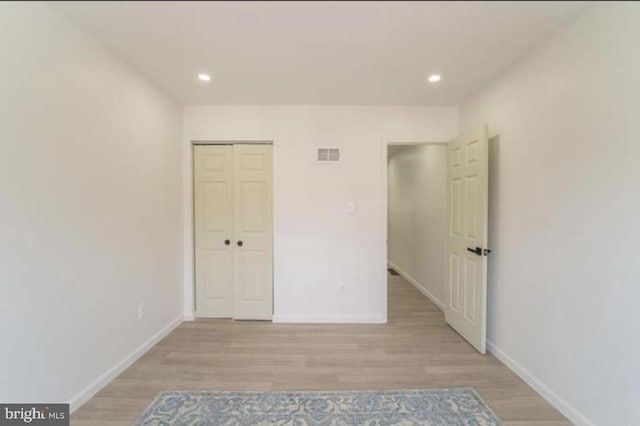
(415, 349)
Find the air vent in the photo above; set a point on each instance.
(328, 155)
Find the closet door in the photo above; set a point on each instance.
(253, 232)
(213, 221)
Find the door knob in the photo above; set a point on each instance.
(479, 251)
(240, 243)
(227, 242)
(476, 250)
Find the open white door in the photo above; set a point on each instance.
(467, 217)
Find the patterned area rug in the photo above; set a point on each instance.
(446, 407)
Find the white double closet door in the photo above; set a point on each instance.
(233, 200)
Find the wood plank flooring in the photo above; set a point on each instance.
(415, 349)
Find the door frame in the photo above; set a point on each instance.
(386, 142)
(189, 212)
(493, 139)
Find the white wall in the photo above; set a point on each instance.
(328, 266)
(417, 215)
(90, 216)
(565, 273)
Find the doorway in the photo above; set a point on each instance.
(233, 230)
(463, 291)
(417, 216)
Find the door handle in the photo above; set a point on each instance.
(227, 242)
(479, 251)
(240, 243)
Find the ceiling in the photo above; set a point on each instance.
(364, 53)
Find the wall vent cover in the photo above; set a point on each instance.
(329, 155)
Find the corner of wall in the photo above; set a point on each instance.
(94, 387)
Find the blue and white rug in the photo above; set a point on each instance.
(446, 407)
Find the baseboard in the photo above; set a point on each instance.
(553, 398)
(189, 316)
(310, 319)
(94, 387)
(417, 285)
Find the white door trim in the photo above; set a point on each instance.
(189, 291)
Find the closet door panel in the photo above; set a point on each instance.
(213, 226)
(253, 231)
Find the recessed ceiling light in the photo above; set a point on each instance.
(204, 77)
(434, 78)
